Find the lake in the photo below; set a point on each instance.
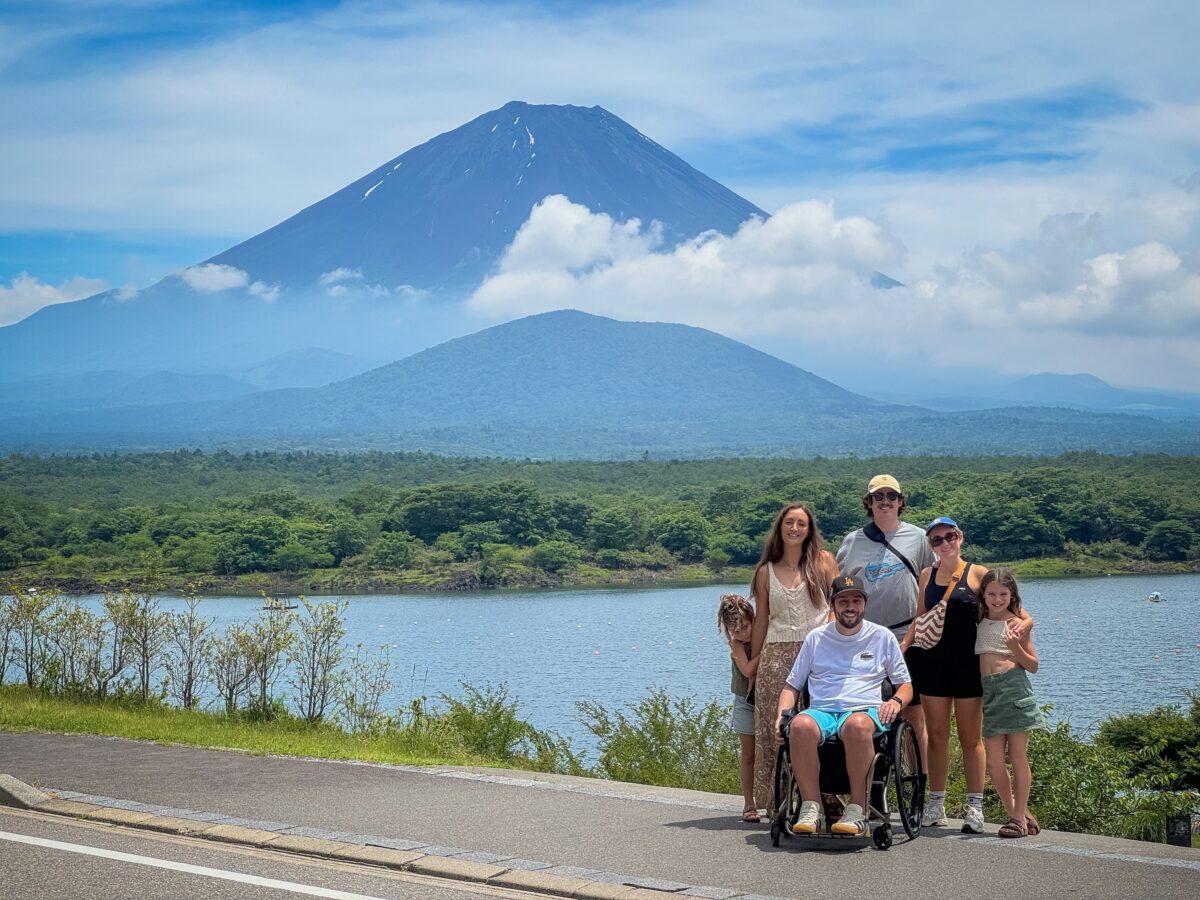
(1104, 648)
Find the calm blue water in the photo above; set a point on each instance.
(1104, 648)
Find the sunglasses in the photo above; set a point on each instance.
(885, 495)
(951, 538)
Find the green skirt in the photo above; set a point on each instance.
(1009, 706)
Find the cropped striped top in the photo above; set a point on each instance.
(989, 637)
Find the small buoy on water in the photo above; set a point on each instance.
(1156, 656)
(597, 653)
(669, 643)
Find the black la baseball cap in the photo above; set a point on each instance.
(845, 584)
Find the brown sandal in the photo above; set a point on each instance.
(751, 816)
(1012, 829)
(1032, 827)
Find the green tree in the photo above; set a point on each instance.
(554, 556)
(1169, 540)
(613, 528)
(684, 533)
(393, 550)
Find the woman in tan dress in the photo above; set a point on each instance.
(790, 590)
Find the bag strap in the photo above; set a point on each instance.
(954, 579)
(875, 533)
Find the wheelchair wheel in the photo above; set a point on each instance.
(776, 831)
(882, 836)
(907, 781)
(787, 797)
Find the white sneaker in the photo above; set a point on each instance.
(853, 821)
(811, 820)
(972, 820)
(935, 814)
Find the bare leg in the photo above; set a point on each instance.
(858, 737)
(968, 719)
(914, 717)
(1018, 743)
(804, 738)
(746, 770)
(937, 725)
(999, 771)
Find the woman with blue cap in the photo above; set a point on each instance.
(945, 670)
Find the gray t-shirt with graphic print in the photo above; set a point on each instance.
(891, 588)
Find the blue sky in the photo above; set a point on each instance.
(1021, 157)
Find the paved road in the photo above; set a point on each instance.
(45, 856)
(682, 836)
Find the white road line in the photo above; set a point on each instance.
(83, 849)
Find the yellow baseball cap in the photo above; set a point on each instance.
(883, 481)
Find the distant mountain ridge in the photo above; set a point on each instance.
(570, 384)
(1078, 391)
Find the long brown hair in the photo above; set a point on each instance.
(1007, 579)
(810, 553)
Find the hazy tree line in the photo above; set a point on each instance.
(483, 526)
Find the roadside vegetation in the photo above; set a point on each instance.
(285, 682)
(324, 523)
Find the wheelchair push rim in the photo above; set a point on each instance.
(907, 779)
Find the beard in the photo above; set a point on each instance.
(849, 618)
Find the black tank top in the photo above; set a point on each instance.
(962, 592)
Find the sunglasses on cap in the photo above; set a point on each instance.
(949, 538)
(885, 495)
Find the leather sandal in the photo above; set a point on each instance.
(751, 816)
(1012, 829)
(1031, 825)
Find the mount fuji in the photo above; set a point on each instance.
(375, 270)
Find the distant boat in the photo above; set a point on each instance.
(1155, 597)
(278, 604)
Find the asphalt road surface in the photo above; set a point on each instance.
(682, 836)
(45, 856)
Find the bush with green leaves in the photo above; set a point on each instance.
(674, 742)
(1171, 732)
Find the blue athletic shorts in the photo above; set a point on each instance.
(831, 721)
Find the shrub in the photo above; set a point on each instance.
(671, 742)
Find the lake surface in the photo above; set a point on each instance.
(1104, 647)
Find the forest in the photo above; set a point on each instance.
(385, 520)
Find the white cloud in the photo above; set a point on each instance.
(212, 277)
(26, 295)
(266, 292)
(771, 272)
(806, 272)
(339, 275)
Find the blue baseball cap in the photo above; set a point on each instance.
(942, 520)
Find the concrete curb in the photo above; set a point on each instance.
(408, 856)
(19, 794)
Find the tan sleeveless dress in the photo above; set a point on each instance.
(792, 617)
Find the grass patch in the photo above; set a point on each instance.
(24, 710)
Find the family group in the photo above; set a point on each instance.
(898, 613)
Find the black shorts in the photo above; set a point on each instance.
(945, 671)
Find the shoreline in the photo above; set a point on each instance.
(461, 579)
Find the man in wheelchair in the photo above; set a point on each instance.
(845, 664)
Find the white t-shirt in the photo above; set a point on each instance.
(847, 671)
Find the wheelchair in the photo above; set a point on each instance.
(894, 781)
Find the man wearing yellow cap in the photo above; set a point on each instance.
(889, 555)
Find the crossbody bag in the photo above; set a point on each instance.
(931, 623)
